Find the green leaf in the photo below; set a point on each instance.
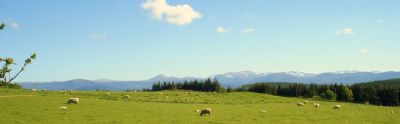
(9, 61)
(33, 56)
(28, 61)
(2, 26)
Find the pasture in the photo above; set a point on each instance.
(97, 107)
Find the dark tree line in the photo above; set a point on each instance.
(386, 93)
(337, 92)
(195, 85)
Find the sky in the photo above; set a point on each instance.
(139, 39)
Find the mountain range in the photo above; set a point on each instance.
(233, 79)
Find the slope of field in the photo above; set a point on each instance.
(23, 106)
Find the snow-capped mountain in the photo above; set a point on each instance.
(299, 74)
(233, 79)
(238, 78)
(162, 77)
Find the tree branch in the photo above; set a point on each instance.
(15, 76)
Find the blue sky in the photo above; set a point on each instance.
(138, 39)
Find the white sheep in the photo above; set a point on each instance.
(305, 102)
(300, 104)
(392, 112)
(264, 112)
(126, 97)
(33, 90)
(73, 100)
(63, 107)
(316, 105)
(108, 94)
(337, 106)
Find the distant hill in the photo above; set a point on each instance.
(236, 79)
(393, 83)
(233, 79)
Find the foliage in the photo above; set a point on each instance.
(196, 85)
(2, 26)
(10, 85)
(328, 95)
(229, 89)
(6, 69)
(386, 92)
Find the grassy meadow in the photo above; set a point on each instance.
(95, 107)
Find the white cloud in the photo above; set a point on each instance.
(379, 21)
(249, 16)
(165, 62)
(379, 42)
(180, 15)
(98, 36)
(346, 31)
(249, 30)
(363, 50)
(14, 25)
(221, 30)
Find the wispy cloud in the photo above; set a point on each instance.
(249, 16)
(249, 30)
(180, 15)
(345, 31)
(221, 30)
(379, 42)
(14, 25)
(379, 21)
(166, 62)
(363, 50)
(99, 36)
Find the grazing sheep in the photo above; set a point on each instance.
(392, 112)
(108, 94)
(73, 100)
(316, 105)
(70, 91)
(63, 107)
(197, 110)
(264, 112)
(33, 90)
(205, 111)
(215, 92)
(305, 102)
(126, 97)
(337, 106)
(300, 104)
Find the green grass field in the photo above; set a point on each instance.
(95, 107)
